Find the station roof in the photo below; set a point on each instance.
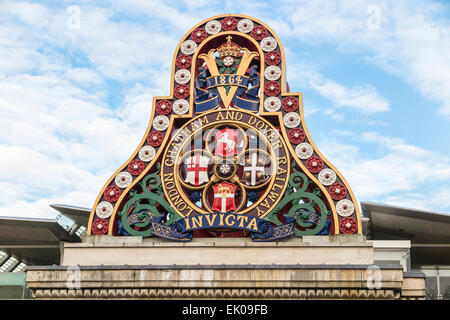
(78, 214)
(428, 231)
(391, 222)
(33, 240)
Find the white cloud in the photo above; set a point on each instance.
(40, 208)
(59, 141)
(434, 201)
(32, 14)
(412, 41)
(84, 77)
(363, 98)
(39, 173)
(116, 48)
(395, 175)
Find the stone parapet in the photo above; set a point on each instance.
(220, 282)
(334, 267)
(413, 285)
(96, 250)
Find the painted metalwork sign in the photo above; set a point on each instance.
(227, 153)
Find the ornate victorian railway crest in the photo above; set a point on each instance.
(227, 153)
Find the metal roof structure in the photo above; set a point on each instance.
(429, 232)
(78, 214)
(36, 241)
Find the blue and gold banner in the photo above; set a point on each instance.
(227, 80)
(209, 98)
(205, 105)
(251, 100)
(261, 229)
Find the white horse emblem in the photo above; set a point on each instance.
(226, 142)
(229, 144)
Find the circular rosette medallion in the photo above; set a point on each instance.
(259, 32)
(104, 209)
(245, 26)
(213, 26)
(181, 91)
(255, 168)
(188, 47)
(345, 208)
(161, 123)
(296, 135)
(314, 164)
(163, 107)
(136, 167)
(147, 153)
(100, 226)
(225, 169)
(327, 177)
(291, 120)
(198, 35)
(183, 61)
(337, 191)
(229, 23)
(273, 58)
(304, 150)
(290, 104)
(155, 138)
(272, 104)
(111, 194)
(181, 106)
(195, 169)
(272, 73)
(272, 88)
(268, 44)
(348, 225)
(182, 76)
(123, 179)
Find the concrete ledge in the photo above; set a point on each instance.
(97, 250)
(328, 240)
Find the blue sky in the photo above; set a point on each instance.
(77, 80)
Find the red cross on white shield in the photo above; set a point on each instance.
(197, 169)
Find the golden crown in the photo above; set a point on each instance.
(229, 49)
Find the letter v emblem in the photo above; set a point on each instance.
(243, 66)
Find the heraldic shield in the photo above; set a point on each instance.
(227, 152)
